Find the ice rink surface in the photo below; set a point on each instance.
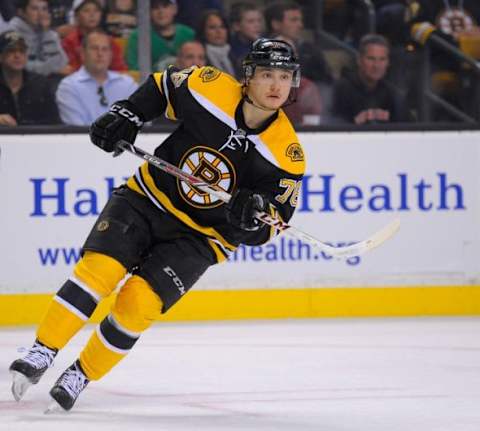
(302, 375)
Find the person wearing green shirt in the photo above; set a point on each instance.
(166, 35)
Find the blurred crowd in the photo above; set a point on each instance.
(66, 61)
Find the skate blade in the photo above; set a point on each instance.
(53, 408)
(20, 384)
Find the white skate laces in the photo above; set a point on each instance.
(73, 381)
(39, 356)
(67, 388)
(29, 370)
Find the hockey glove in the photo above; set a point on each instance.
(242, 206)
(123, 121)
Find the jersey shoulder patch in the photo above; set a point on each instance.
(281, 145)
(209, 74)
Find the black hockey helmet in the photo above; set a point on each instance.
(271, 53)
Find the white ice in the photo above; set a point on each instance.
(302, 375)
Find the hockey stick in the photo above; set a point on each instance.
(338, 252)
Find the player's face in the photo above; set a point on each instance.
(89, 16)
(373, 64)
(269, 87)
(14, 59)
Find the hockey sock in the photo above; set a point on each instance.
(135, 308)
(94, 277)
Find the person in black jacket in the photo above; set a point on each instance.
(26, 98)
(363, 96)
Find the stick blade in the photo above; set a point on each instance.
(377, 239)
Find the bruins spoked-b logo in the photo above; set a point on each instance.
(212, 167)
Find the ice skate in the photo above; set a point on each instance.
(27, 371)
(67, 388)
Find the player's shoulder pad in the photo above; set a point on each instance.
(172, 77)
(217, 87)
(280, 145)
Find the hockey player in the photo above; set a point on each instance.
(164, 232)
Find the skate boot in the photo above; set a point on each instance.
(68, 387)
(28, 370)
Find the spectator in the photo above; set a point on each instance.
(88, 15)
(25, 97)
(189, 54)
(284, 20)
(121, 17)
(364, 97)
(166, 36)
(246, 22)
(45, 53)
(87, 93)
(213, 32)
(190, 10)
(60, 11)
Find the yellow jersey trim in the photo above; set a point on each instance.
(169, 206)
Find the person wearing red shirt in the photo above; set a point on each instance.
(88, 15)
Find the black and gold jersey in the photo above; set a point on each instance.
(213, 142)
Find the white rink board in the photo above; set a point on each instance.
(355, 184)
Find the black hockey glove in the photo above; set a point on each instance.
(123, 121)
(242, 206)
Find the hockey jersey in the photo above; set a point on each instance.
(213, 142)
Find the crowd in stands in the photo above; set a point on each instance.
(67, 61)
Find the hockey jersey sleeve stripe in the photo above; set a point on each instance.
(215, 110)
(219, 252)
(169, 112)
(162, 84)
(145, 189)
(132, 183)
(264, 150)
(160, 199)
